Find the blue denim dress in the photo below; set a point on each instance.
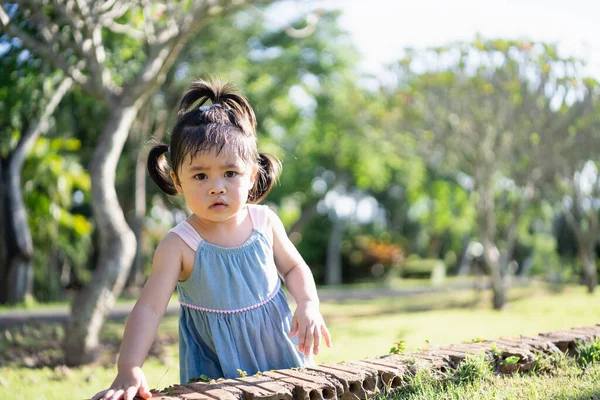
(234, 314)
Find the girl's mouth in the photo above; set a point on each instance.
(218, 205)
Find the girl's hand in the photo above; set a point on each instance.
(309, 325)
(125, 386)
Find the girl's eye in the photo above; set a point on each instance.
(230, 174)
(200, 176)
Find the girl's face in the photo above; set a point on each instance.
(215, 187)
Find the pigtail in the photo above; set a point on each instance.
(158, 168)
(228, 107)
(269, 168)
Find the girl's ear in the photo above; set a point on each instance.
(176, 182)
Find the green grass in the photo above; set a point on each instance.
(32, 304)
(360, 328)
(566, 380)
(73, 383)
(399, 283)
(364, 328)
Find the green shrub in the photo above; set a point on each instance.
(588, 353)
(432, 268)
(474, 368)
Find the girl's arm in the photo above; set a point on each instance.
(308, 322)
(142, 323)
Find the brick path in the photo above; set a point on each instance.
(359, 379)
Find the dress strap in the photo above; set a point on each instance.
(261, 221)
(189, 235)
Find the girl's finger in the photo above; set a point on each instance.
(326, 335)
(317, 342)
(301, 339)
(308, 340)
(294, 327)
(130, 393)
(118, 395)
(99, 395)
(144, 390)
(107, 394)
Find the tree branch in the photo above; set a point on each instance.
(43, 50)
(100, 8)
(40, 127)
(46, 51)
(124, 29)
(148, 25)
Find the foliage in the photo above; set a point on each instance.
(466, 124)
(313, 245)
(445, 210)
(399, 347)
(56, 193)
(491, 116)
(417, 383)
(547, 364)
(430, 268)
(51, 176)
(371, 257)
(588, 353)
(474, 368)
(566, 382)
(545, 261)
(24, 80)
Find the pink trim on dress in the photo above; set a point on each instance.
(260, 215)
(190, 236)
(262, 303)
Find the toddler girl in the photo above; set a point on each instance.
(225, 260)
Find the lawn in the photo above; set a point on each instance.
(360, 328)
(567, 380)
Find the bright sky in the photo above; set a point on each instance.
(382, 27)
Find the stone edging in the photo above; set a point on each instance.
(359, 379)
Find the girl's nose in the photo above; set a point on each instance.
(217, 190)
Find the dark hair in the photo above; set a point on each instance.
(227, 125)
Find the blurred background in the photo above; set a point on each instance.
(438, 157)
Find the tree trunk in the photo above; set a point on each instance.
(499, 290)
(491, 255)
(136, 276)
(586, 245)
(466, 258)
(333, 270)
(3, 214)
(435, 245)
(150, 118)
(590, 274)
(306, 214)
(117, 243)
(17, 267)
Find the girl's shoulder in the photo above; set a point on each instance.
(178, 247)
(261, 215)
(262, 219)
(185, 232)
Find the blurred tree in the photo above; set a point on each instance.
(495, 111)
(580, 183)
(56, 191)
(29, 96)
(118, 52)
(237, 55)
(311, 111)
(443, 208)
